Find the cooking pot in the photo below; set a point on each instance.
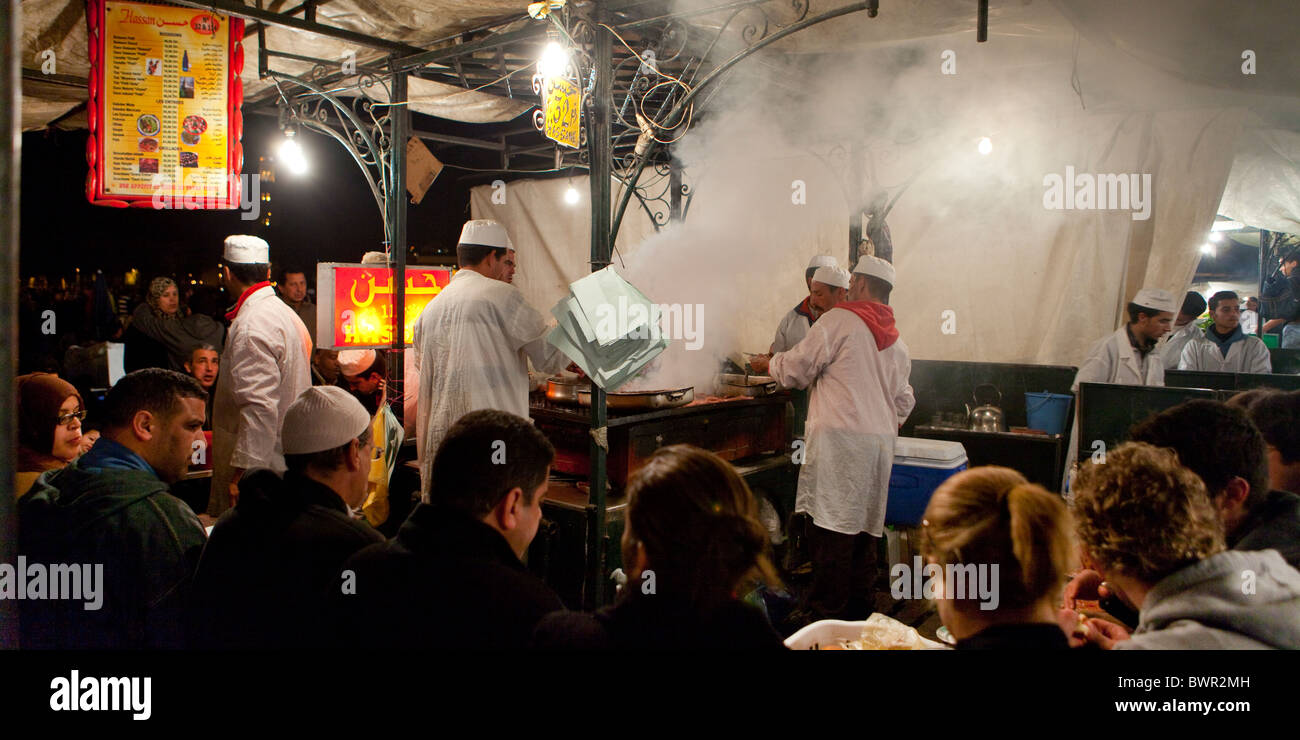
(564, 389)
(641, 401)
(987, 417)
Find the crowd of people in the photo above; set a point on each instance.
(309, 549)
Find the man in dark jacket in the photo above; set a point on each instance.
(272, 562)
(1219, 443)
(453, 576)
(111, 508)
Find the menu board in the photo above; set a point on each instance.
(164, 106)
(355, 303)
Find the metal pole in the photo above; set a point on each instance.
(10, 177)
(854, 193)
(397, 219)
(598, 139)
(674, 190)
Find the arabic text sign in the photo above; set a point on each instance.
(166, 103)
(563, 105)
(362, 310)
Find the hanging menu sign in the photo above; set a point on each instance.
(164, 106)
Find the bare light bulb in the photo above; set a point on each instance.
(985, 145)
(571, 195)
(554, 61)
(292, 156)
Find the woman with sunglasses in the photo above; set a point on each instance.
(50, 411)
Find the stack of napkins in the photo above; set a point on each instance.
(608, 327)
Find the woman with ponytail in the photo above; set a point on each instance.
(692, 547)
(991, 516)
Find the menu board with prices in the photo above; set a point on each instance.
(164, 107)
(354, 306)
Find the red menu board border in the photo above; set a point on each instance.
(95, 117)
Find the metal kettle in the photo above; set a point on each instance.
(988, 416)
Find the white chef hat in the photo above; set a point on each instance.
(1160, 300)
(875, 267)
(822, 260)
(837, 276)
(247, 250)
(353, 362)
(374, 258)
(484, 233)
(324, 417)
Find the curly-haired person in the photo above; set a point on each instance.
(1150, 527)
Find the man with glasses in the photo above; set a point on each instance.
(273, 561)
(1224, 347)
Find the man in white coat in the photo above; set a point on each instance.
(1127, 356)
(266, 366)
(857, 369)
(474, 340)
(1185, 329)
(1224, 347)
(795, 324)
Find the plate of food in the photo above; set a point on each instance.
(148, 166)
(147, 125)
(148, 144)
(878, 632)
(194, 124)
(189, 159)
(189, 139)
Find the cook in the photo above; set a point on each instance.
(857, 369)
(265, 368)
(794, 327)
(473, 342)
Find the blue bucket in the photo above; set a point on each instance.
(1046, 411)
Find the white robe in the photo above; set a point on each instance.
(1110, 360)
(266, 365)
(1171, 345)
(1249, 355)
(472, 344)
(792, 329)
(859, 397)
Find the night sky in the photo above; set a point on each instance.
(327, 215)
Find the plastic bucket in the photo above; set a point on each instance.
(1046, 411)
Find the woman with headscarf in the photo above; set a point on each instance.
(50, 411)
(161, 335)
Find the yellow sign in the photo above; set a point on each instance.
(166, 106)
(563, 106)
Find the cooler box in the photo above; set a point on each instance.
(920, 465)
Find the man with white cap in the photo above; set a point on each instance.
(857, 368)
(794, 326)
(1224, 347)
(272, 563)
(1127, 356)
(365, 373)
(266, 366)
(474, 341)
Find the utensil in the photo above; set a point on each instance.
(988, 416)
(563, 389)
(735, 384)
(642, 400)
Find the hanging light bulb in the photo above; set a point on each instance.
(554, 61)
(985, 145)
(571, 196)
(291, 154)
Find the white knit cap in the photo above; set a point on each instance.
(822, 260)
(374, 258)
(247, 250)
(836, 276)
(485, 233)
(875, 267)
(324, 417)
(1160, 300)
(353, 362)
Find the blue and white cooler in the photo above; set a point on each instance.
(920, 465)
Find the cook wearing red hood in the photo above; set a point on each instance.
(857, 368)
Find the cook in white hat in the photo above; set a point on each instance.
(796, 322)
(475, 340)
(265, 366)
(873, 280)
